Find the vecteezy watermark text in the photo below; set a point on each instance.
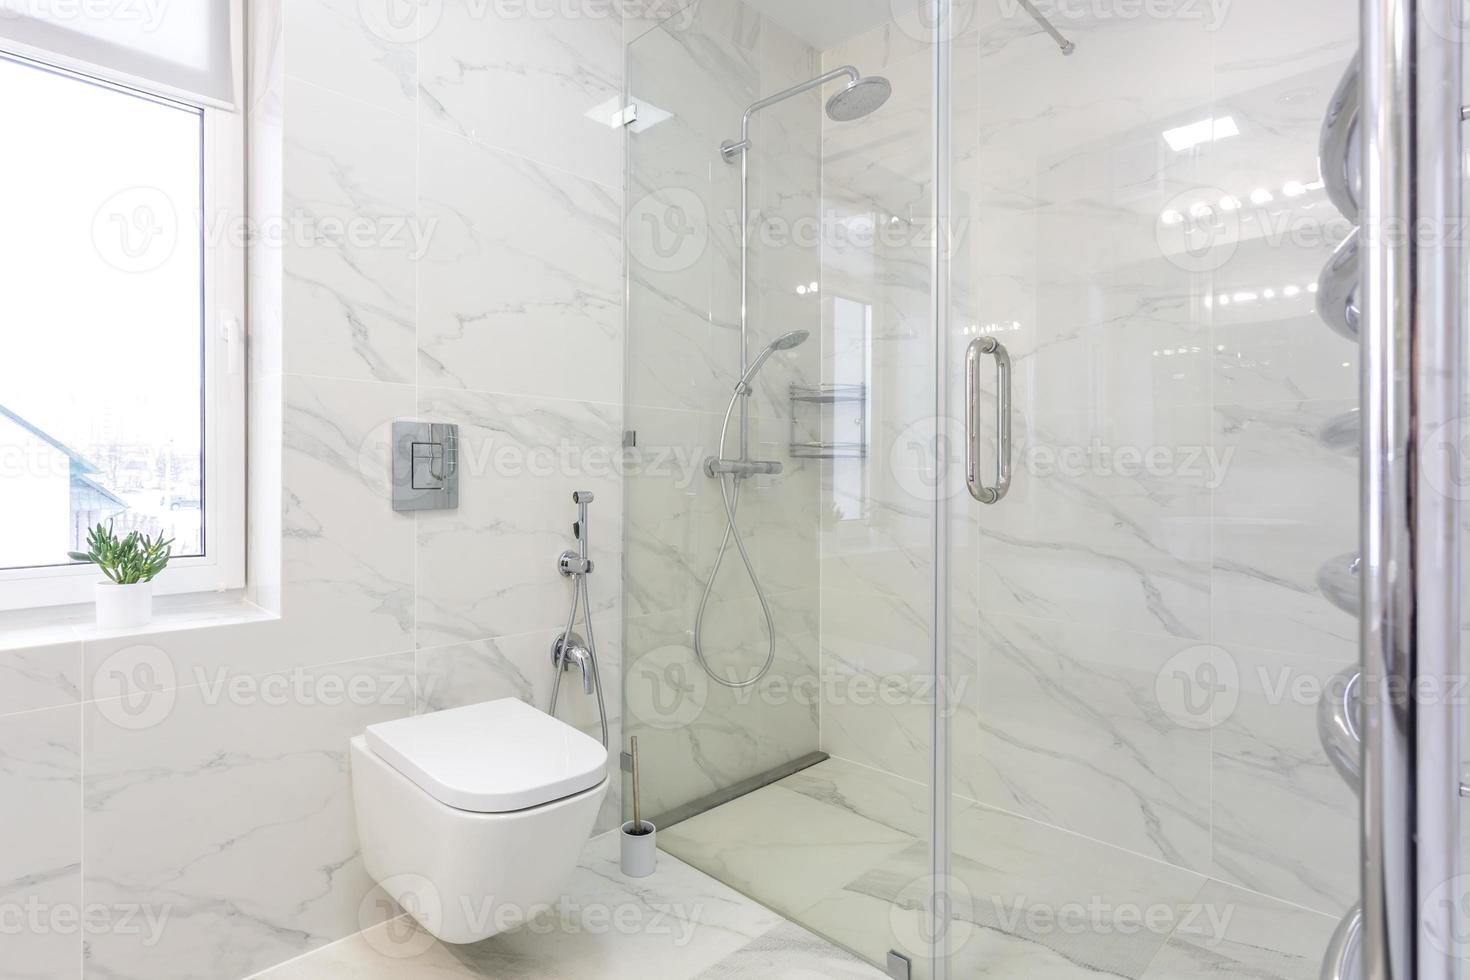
(33, 917)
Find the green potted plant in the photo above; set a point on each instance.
(130, 563)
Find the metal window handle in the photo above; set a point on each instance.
(979, 347)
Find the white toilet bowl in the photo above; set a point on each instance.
(473, 819)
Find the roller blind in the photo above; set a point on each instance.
(177, 48)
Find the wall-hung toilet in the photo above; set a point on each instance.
(474, 818)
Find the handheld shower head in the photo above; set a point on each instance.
(786, 341)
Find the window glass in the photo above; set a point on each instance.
(101, 323)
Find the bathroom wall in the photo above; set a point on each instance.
(440, 237)
(1137, 647)
(705, 65)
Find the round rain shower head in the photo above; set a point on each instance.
(859, 98)
(793, 339)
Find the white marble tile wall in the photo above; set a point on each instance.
(440, 238)
(41, 862)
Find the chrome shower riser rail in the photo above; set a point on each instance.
(731, 149)
(1412, 320)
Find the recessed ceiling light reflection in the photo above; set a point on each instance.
(1262, 196)
(1182, 138)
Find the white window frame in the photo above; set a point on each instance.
(222, 567)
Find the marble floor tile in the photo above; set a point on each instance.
(1025, 900)
(614, 927)
(783, 848)
(677, 925)
(889, 908)
(1237, 933)
(791, 952)
(868, 793)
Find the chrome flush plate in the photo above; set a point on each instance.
(425, 466)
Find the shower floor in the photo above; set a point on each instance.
(840, 849)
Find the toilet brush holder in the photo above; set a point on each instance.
(639, 836)
(640, 849)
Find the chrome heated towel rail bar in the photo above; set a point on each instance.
(1412, 318)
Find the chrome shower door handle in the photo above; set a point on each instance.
(980, 347)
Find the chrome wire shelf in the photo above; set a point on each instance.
(829, 394)
(829, 450)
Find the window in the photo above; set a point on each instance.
(121, 374)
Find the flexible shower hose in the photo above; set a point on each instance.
(732, 529)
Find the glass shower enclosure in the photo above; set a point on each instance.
(1025, 422)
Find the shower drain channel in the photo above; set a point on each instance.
(720, 797)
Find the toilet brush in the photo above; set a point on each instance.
(640, 849)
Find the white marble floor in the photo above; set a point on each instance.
(839, 849)
(679, 924)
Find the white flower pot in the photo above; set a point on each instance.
(122, 607)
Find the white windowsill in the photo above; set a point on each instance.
(73, 624)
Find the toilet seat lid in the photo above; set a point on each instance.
(495, 757)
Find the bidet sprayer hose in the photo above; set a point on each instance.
(580, 591)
